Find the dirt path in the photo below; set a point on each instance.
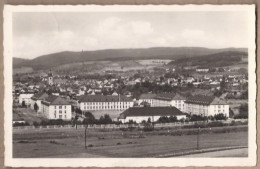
(243, 152)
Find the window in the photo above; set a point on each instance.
(60, 116)
(55, 115)
(60, 112)
(60, 107)
(55, 107)
(65, 111)
(65, 107)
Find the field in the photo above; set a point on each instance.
(114, 143)
(22, 70)
(27, 115)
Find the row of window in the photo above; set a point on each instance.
(105, 107)
(60, 116)
(102, 103)
(60, 111)
(60, 107)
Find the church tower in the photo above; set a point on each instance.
(50, 78)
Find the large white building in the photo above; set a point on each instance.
(148, 98)
(100, 102)
(139, 114)
(54, 107)
(206, 106)
(38, 98)
(170, 99)
(26, 98)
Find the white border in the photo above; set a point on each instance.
(126, 162)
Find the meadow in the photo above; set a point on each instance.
(51, 143)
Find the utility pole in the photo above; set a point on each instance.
(198, 139)
(85, 137)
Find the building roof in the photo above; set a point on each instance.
(205, 100)
(102, 98)
(39, 96)
(169, 96)
(55, 100)
(150, 111)
(147, 96)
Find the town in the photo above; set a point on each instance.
(126, 95)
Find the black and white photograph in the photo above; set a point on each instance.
(130, 85)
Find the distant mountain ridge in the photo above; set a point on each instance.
(66, 57)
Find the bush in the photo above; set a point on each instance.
(220, 116)
(21, 124)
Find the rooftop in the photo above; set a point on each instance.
(147, 96)
(40, 96)
(102, 98)
(205, 100)
(150, 111)
(55, 100)
(169, 96)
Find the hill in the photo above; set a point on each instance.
(19, 61)
(212, 60)
(67, 57)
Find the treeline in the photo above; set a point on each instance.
(213, 60)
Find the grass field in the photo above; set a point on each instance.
(27, 115)
(114, 143)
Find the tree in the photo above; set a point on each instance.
(173, 119)
(36, 107)
(78, 111)
(220, 116)
(89, 118)
(231, 113)
(243, 112)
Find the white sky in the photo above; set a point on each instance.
(36, 34)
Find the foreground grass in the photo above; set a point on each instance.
(116, 143)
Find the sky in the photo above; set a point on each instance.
(36, 34)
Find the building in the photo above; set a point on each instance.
(148, 98)
(170, 99)
(38, 98)
(139, 114)
(206, 105)
(54, 107)
(50, 79)
(202, 70)
(26, 98)
(100, 102)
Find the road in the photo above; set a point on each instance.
(243, 152)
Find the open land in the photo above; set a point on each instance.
(115, 143)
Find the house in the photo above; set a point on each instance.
(206, 105)
(202, 70)
(38, 98)
(55, 107)
(170, 99)
(148, 97)
(100, 102)
(114, 93)
(26, 98)
(139, 114)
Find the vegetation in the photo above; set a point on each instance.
(243, 112)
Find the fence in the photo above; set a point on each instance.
(115, 126)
